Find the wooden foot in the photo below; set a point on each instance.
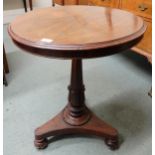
(112, 143)
(76, 118)
(58, 126)
(41, 143)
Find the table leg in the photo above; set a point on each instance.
(76, 118)
(150, 92)
(4, 79)
(30, 3)
(53, 3)
(25, 6)
(5, 62)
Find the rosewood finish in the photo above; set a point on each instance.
(70, 2)
(76, 32)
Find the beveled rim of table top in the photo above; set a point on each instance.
(121, 43)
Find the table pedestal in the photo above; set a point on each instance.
(76, 118)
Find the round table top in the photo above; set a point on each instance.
(76, 31)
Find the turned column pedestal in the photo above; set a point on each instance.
(76, 118)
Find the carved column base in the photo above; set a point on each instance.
(76, 117)
(93, 126)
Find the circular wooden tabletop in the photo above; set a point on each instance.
(76, 31)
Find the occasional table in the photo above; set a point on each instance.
(76, 33)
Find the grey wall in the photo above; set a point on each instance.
(17, 4)
(12, 4)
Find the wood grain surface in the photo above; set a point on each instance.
(76, 28)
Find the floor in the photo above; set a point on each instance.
(116, 90)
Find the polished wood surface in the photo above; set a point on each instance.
(139, 7)
(76, 32)
(142, 8)
(70, 2)
(73, 28)
(107, 3)
(146, 43)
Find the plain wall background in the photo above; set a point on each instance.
(18, 4)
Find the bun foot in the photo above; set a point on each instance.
(112, 143)
(41, 143)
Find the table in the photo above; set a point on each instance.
(76, 32)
